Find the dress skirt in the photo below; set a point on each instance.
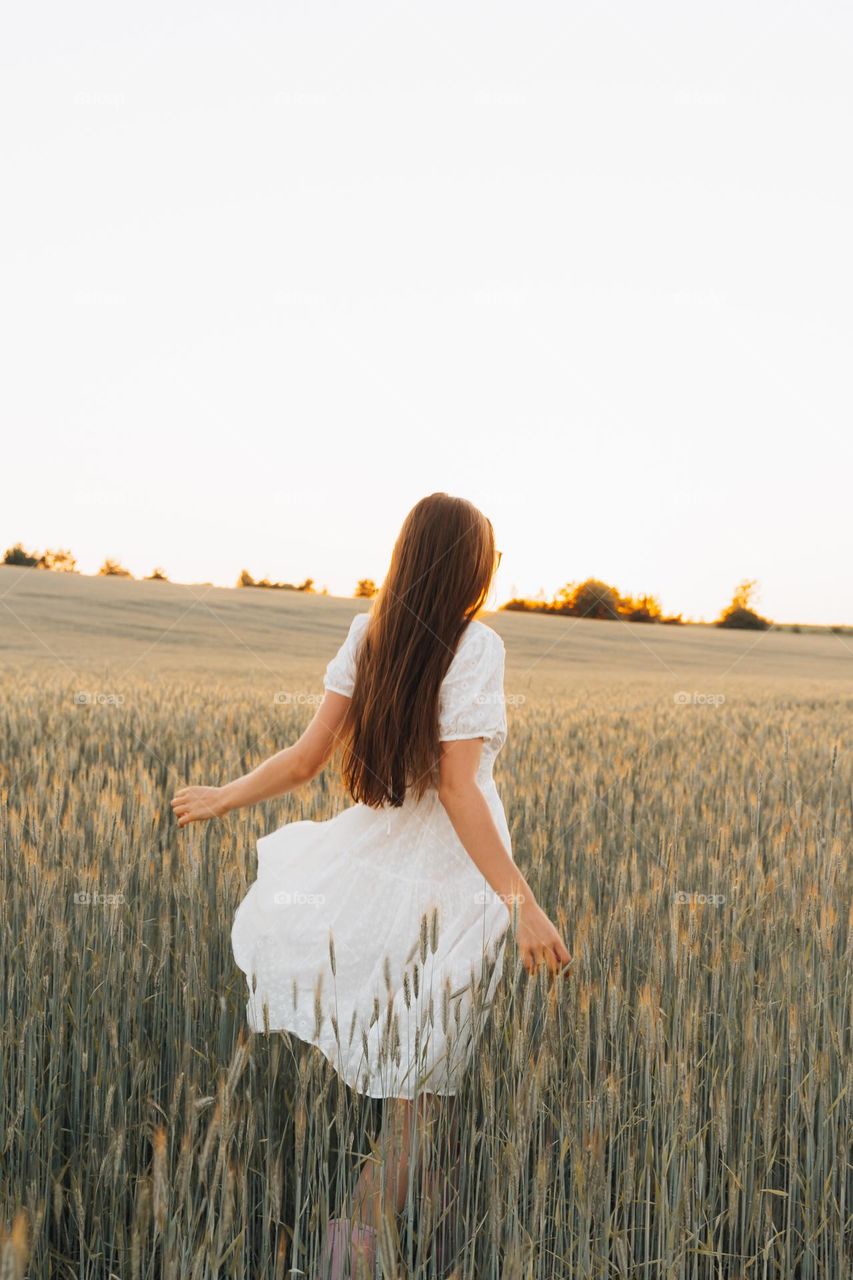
(374, 937)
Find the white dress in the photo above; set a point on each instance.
(377, 889)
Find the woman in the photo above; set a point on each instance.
(392, 916)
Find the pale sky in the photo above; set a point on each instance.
(272, 272)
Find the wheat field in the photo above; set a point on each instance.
(680, 801)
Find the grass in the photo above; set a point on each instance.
(680, 803)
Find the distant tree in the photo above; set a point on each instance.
(246, 580)
(739, 613)
(562, 601)
(521, 605)
(365, 589)
(157, 575)
(591, 599)
(594, 599)
(58, 561)
(112, 569)
(743, 594)
(18, 555)
(643, 609)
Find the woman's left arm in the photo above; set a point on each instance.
(287, 769)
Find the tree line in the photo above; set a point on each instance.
(588, 599)
(595, 599)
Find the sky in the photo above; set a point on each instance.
(273, 272)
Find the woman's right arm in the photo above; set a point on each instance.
(280, 773)
(469, 812)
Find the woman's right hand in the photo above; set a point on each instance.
(539, 941)
(199, 804)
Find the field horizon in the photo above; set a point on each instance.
(806, 627)
(148, 625)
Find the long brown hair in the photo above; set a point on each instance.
(440, 573)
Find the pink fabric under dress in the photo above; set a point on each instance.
(402, 1010)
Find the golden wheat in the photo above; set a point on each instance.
(679, 1107)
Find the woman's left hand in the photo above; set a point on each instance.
(199, 804)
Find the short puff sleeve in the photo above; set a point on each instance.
(340, 672)
(471, 697)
